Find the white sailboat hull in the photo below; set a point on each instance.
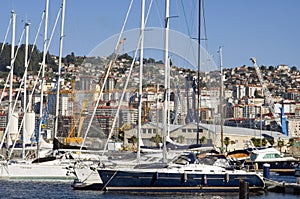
(43, 171)
(87, 178)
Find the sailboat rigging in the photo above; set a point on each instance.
(12, 56)
(141, 80)
(43, 77)
(198, 78)
(221, 101)
(166, 85)
(34, 168)
(186, 173)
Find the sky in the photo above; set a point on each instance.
(268, 30)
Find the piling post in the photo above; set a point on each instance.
(266, 170)
(244, 190)
(297, 174)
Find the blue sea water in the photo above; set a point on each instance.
(18, 189)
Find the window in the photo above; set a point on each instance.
(253, 156)
(277, 156)
(272, 156)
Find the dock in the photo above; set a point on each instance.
(282, 187)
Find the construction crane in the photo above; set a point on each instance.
(72, 138)
(281, 121)
(268, 96)
(113, 60)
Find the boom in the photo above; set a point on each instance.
(268, 96)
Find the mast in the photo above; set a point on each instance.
(221, 99)
(198, 118)
(141, 80)
(165, 123)
(43, 76)
(12, 60)
(59, 67)
(25, 88)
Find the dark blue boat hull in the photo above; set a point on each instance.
(127, 181)
(281, 167)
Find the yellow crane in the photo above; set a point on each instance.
(72, 138)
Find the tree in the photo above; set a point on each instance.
(151, 61)
(160, 62)
(294, 69)
(263, 68)
(271, 141)
(291, 142)
(121, 135)
(226, 142)
(180, 139)
(280, 144)
(34, 58)
(70, 58)
(133, 140)
(264, 142)
(202, 140)
(255, 141)
(156, 139)
(5, 58)
(271, 68)
(125, 56)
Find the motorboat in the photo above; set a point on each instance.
(278, 162)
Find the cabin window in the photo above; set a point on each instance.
(184, 130)
(277, 156)
(271, 156)
(268, 156)
(253, 156)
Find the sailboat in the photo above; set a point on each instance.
(184, 174)
(87, 177)
(47, 166)
(187, 173)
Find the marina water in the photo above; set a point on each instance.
(62, 189)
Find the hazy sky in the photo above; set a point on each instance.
(266, 29)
